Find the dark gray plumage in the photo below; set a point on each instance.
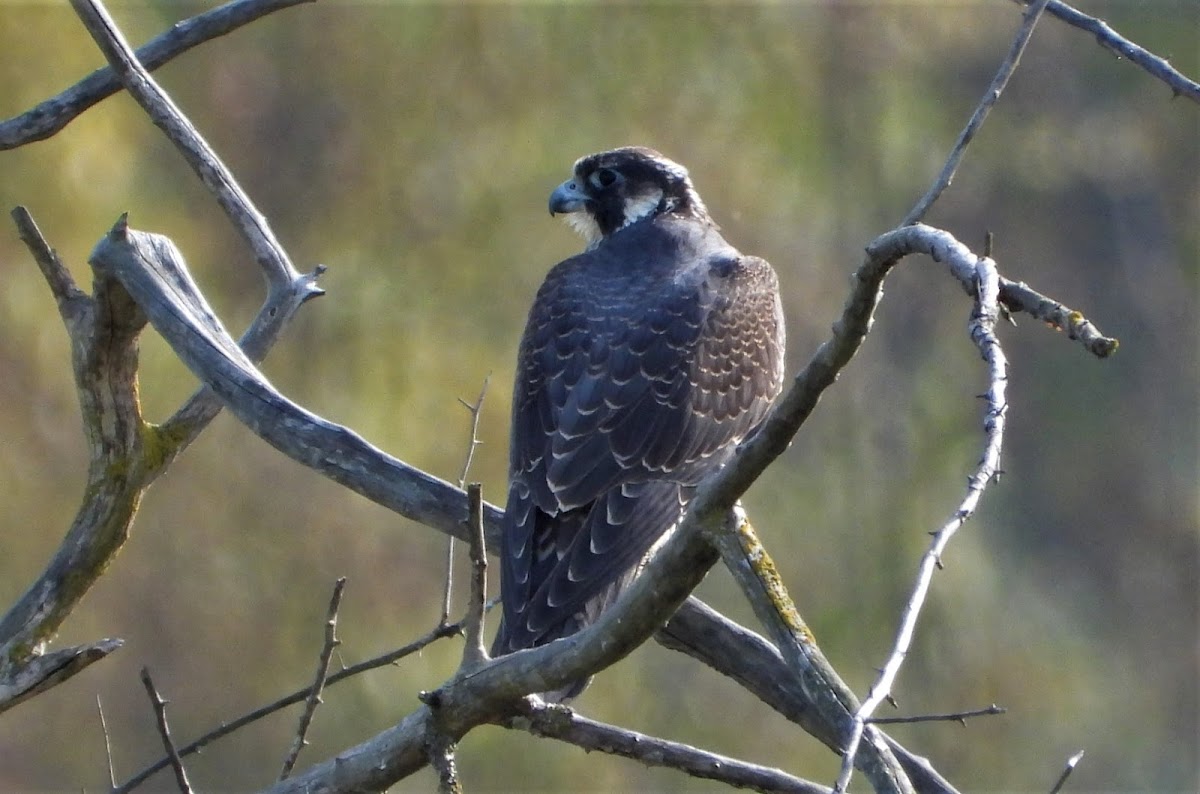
(645, 361)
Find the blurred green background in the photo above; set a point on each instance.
(411, 148)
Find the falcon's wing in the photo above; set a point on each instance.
(628, 393)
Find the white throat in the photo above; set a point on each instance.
(585, 226)
(636, 208)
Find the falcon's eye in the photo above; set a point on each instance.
(603, 177)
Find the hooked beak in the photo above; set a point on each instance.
(567, 198)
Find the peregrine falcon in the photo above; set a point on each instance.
(645, 361)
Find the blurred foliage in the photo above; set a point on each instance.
(411, 148)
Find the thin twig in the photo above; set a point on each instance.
(1072, 762)
(1032, 14)
(160, 715)
(391, 657)
(982, 328)
(1122, 47)
(112, 775)
(554, 721)
(474, 653)
(318, 686)
(472, 443)
(448, 591)
(955, 716)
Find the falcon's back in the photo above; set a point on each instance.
(645, 361)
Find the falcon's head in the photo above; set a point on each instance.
(611, 190)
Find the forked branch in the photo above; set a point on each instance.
(127, 454)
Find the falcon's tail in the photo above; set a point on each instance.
(507, 642)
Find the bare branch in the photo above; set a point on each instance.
(1017, 296)
(314, 693)
(72, 302)
(1032, 14)
(148, 263)
(159, 276)
(103, 333)
(287, 290)
(474, 652)
(179, 130)
(755, 572)
(755, 664)
(472, 444)
(955, 716)
(1072, 762)
(559, 722)
(982, 329)
(391, 657)
(104, 355)
(160, 716)
(35, 675)
(52, 115)
(1122, 47)
(112, 773)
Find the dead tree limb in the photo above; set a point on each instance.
(52, 115)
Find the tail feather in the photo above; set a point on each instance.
(507, 641)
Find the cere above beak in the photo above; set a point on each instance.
(567, 198)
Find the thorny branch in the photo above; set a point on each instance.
(472, 444)
(982, 330)
(164, 731)
(438, 632)
(318, 686)
(955, 716)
